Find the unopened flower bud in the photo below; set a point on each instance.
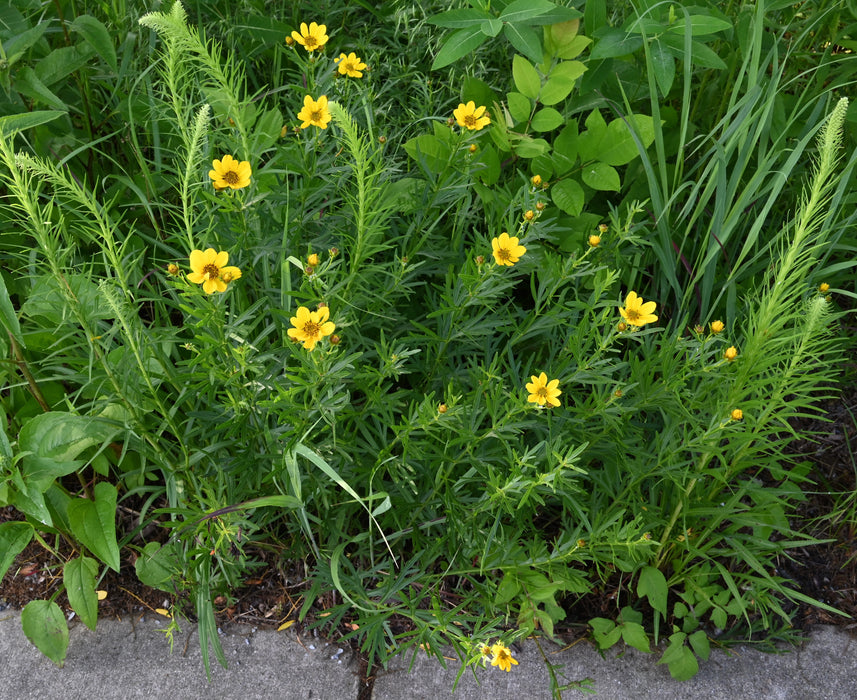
(442, 408)
(717, 327)
(473, 148)
(737, 414)
(312, 260)
(289, 41)
(480, 259)
(602, 228)
(823, 287)
(731, 353)
(173, 269)
(594, 241)
(621, 326)
(382, 139)
(536, 180)
(540, 206)
(529, 215)
(334, 340)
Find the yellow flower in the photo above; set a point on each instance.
(473, 148)
(310, 326)
(471, 117)
(312, 37)
(731, 353)
(506, 249)
(737, 414)
(636, 312)
(312, 260)
(230, 173)
(315, 113)
(529, 215)
(717, 327)
(350, 65)
(502, 657)
(594, 241)
(823, 287)
(209, 269)
(536, 180)
(542, 391)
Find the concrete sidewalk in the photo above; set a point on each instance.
(131, 659)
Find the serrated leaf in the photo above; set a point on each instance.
(600, 176)
(525, 40)
(653, 585)
(14, 536)
(547, 119)
(93, 523)
(78, 576)
(568, 196)
(45, 626)
(526, 77)
(519, 106)
(458, 45)
(97, 36)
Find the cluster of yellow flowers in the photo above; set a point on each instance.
(313, 38)
(499, 655)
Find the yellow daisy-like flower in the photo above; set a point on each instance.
(543, 391)
(471, 117)
(209, 269)
(824, 287)
(312, 37)
(230, 173)
(502, 657)
(636, 312)
(731, 353)
(350, 65)
(315, 113)
(506, 249)
(717, 327)
(310, 326)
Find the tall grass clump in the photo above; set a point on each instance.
(448, 366)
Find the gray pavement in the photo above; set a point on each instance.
(131, 659)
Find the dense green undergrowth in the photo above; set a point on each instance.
(505, 300)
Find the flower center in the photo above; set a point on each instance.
(470, 121)
(315, 116)
(543, 392)
(504, 254)
(632, 315)
(350, 67)
(230, 177)
(311, 329)
(310, 41)
(211, 272)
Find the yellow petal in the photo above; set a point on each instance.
(285, 625)
(221, 258)
(101, 594)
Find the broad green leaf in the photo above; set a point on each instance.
(59, 437)
(486, 165)
(684, 666)
(477, 90)
(15, 46)
(663, 66)
(62, 62)
(459, 19)
(547, 119)
(96, 35)
(605, 632)
(565, 149)
(429, 151)
(523, 10)
(545, 621)
(458, 45)
(600, 176)
(508, 589)
(595, 16)
(618, 146)
(44, 625)
(94, 523)
(8, 317)
(569, 70)
(561, 82)
(526, 77)
(699, 641)
(14, 536)
(520, 107)
(13, 123)
(29, 84)
(525, 40)
(653, 585)
(528, 147)
(634, 635)
(267, 130)
(561, 34)
(574, 48)
(555, 16)
(589, 142)
(157, 565)
(78, 576)
(700, 25)
(568, 196)
(719, 618)
(542, 166)
(29, 498)
(491, 27)
(616, 42)
(700, 54)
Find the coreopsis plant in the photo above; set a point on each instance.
(312, 37)
(209, 268)
(231, 173)
(314, 112)
(471, 117)
(350, 65)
